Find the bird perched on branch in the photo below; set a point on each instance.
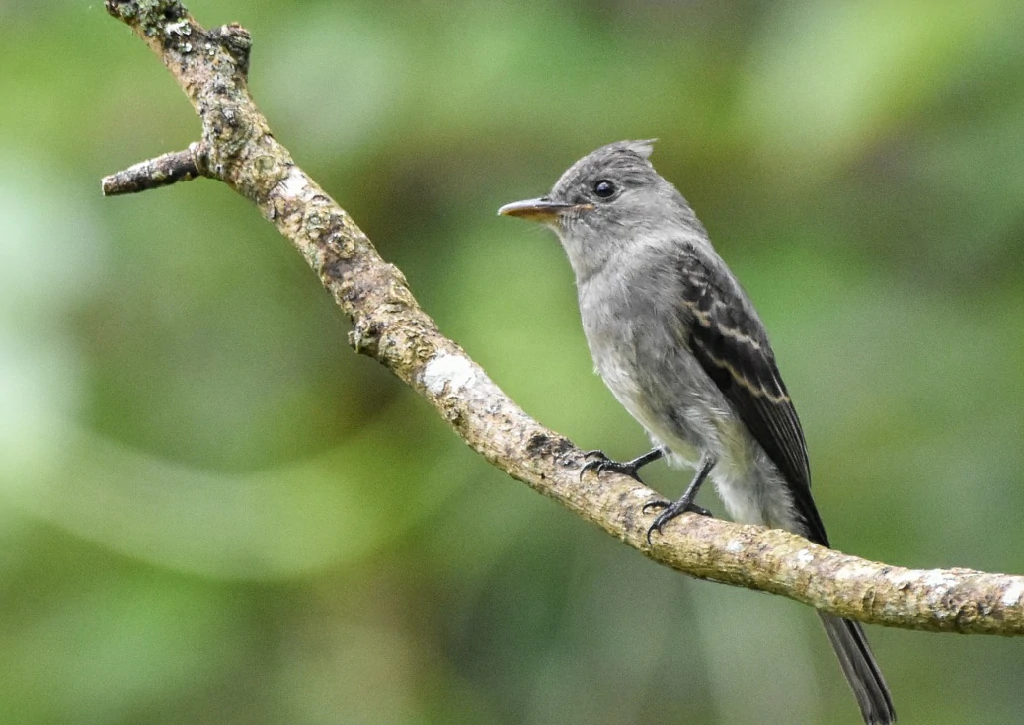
(676, 340)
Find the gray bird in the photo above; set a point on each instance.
(676, 340)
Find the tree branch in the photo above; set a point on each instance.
(161, 171)
(236, 147)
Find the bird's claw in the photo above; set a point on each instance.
(658, 503)
(671, 510)
(600, 463)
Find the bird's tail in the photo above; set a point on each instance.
(860, 668)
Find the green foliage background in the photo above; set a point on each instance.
(211, 511)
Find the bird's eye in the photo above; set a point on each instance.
(604, 189)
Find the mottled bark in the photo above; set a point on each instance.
(161, 171)
(237, 148)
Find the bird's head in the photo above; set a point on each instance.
(607, 202)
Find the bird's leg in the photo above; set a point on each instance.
(685, 502)
(600, 462)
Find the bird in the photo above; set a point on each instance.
(677, 341)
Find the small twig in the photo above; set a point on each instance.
(161, 171)
(388, 325)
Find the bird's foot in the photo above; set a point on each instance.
(599, 462)
(671, 510)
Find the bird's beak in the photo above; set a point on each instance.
(541, 210)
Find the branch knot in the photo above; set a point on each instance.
(150, 16)
(237, 42)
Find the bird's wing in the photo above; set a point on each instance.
(729, 341)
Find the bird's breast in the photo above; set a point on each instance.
(641, 355)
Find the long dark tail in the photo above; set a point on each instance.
(860, 668)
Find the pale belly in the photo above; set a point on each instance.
(689, 417)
